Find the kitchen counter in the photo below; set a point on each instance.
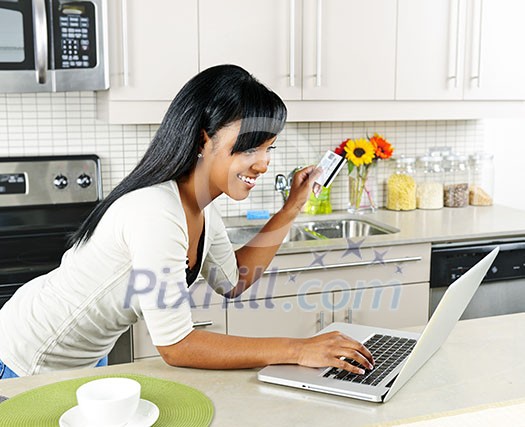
(418, 226)
(481, 363)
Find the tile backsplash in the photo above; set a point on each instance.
(65, 123)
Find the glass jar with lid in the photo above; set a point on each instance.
(481, 190)
(401, 185)
(456, 181)
(429, 180)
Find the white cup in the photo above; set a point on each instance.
(109, 402)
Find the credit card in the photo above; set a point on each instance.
(331, 165)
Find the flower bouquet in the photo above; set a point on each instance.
(362, 155)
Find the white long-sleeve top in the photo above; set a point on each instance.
(132, 267)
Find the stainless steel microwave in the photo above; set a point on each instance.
(53, 45)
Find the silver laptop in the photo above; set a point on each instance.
(398, 355)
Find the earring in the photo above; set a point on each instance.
(199, 156)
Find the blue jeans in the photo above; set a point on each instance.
(5, 372)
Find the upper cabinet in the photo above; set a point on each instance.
(305, 49)
(153, 52)
(349, 50)
(460, 50)
(262, 36)
(329, 60)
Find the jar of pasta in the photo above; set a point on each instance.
(429, 180)
(401, 185)
(481, 189)
(457, 175)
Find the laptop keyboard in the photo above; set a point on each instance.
(388, 352)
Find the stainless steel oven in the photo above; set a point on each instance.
(42, 201)
(503, 288)
(53, 45)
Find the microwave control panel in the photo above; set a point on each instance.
(75, 45)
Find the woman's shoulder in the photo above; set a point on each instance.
(154, 198)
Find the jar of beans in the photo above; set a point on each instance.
(429, 179)
(457, 177)
(401, 185)
(481, 188)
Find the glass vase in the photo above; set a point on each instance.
(319, 205)
(362, 189)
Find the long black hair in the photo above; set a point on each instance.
(211, 100)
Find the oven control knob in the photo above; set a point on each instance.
(84, 180)
(60, 182)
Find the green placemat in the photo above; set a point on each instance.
(179, 404)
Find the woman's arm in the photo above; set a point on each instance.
(208, 350)
(254, 257)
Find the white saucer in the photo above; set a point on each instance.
(147, 413)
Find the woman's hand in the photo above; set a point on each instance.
(302, 183)
(327, 350)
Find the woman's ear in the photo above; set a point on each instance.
(205, 142)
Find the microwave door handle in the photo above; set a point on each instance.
(40, 40)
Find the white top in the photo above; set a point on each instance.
(133, 266)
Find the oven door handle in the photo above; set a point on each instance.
(40, 40)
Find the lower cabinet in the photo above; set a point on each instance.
(393, 307)
(301, 293)
(293, 316)
(212, 318)
(300, 316)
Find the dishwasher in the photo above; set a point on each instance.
(503, 288)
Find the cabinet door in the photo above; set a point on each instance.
(430, 50)
(153, 48)
(295, 317)
(262, 36)
(495, 66)
(387, 307)
(349, 49)
(212, 317)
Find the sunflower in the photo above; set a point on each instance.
(382, 147)
(359, 151)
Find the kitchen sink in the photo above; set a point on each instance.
(315, 230)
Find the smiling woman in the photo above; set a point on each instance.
(143, 245)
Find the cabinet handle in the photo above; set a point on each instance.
(202, 324)
(319, 33)
(125, 44)
(348, 315)
(345, 265)
(456, 18)
(321, 321)
(476, 39)
(292, 43)
(40, 40)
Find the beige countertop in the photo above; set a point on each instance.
(418, 226)
(481, 363)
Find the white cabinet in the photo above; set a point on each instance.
(495, 65)
(349, 49)
(460, 50)
(396, 306)
(207, 310)
(153, 52)
(262, 36)
(387, 287)
(310, 50)
(293, 316)
(330, 60)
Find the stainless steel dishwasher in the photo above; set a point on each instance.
(503, 289)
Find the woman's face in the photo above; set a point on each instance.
(234, 174)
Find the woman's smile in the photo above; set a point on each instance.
(249, 181)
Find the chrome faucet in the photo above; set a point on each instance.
(283, 184)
